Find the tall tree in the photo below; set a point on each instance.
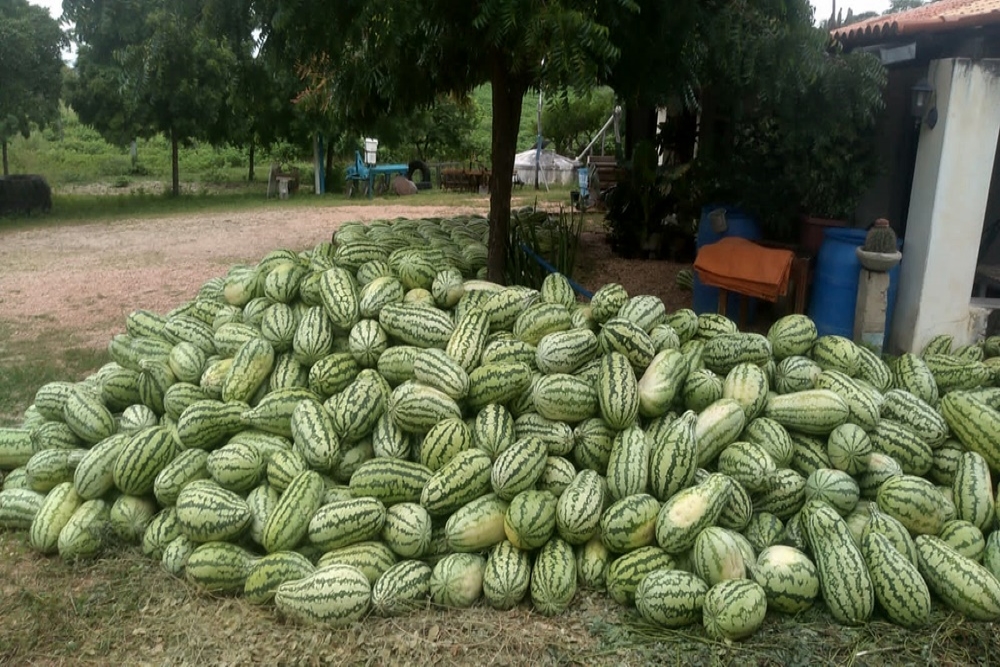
(101, 30)
(571, 121)
(149, 66)
(30, 70)
(368, 58)
(261, 90)
(180, 76)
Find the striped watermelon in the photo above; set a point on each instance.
(592, 442)
(407, 530)
(618, 391)
(773, 437)
(402, 588)
(747, 384)
(459, 481)
(288, 522)
(914, 502)
(788, 577)
(763, 530)
(626, 572)
(963, 584)
(716, 556)
(578, 510)
(671, 598)
(972, 489)
(207, 513)
(530, 519)
(734, 609)
(673, 457)
(843, 577)
(271, 571)
(553, 578)
(592, 562)
(477, 525)
(796, 373)
(629, 523)
(628, 464)
(518, 467)
(566, 351)
(372, 558)
(792, 335)
(457, 580)
(335, 595)
(687, 513)
(346, 522)
(84, 534)
(507, 576)
(218, 567)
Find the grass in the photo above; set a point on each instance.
(123, 608)
(25, 365)
(70, 208)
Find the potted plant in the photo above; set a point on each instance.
(640, 203)
(800, 155)
(879, 252)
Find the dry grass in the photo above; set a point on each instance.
(124, 609)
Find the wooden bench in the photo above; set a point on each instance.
(606, 171)
(462, 179)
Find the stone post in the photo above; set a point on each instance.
(869, 314)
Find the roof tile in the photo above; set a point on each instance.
(939, 16)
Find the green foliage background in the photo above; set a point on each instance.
(71, 152)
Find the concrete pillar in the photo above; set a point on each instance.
(951, 184)
(869, 314)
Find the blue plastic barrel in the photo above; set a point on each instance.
(835, 284)
(738, 223)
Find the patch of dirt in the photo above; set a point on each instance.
(597, 265)
(88, 277)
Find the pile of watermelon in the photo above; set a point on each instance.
(371, 427)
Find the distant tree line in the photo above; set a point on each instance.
(253, 72)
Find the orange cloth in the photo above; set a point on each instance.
(744, 267)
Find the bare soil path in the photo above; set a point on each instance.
(88, 277)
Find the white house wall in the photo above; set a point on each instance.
(951, 184)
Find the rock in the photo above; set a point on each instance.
(403, 186)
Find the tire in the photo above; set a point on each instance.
(425, 174)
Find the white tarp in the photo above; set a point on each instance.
(553, 168)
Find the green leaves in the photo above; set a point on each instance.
(31, 75)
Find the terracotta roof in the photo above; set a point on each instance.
(933, 17)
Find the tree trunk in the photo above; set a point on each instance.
(176, 183)
(508, 93)
(640, 125)
(328, 169)
(6, 167)
(250, 174)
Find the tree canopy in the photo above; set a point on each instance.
(177, 78)
(182, 67)
(31, 73)
(365, 59)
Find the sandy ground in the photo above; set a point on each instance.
(94, 274)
